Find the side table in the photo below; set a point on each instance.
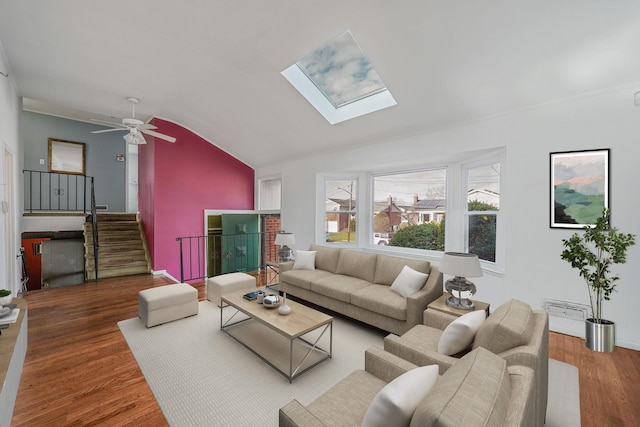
(441, 306)
(272, 267)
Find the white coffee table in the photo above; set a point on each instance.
(289, 344)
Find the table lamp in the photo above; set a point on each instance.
(461, 266)
(284, 240)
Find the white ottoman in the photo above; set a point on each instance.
(219, 285)
(167, 303)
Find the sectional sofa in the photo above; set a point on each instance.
(390, 293)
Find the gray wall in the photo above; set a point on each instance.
(100, 153)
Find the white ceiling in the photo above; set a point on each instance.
(214, 66)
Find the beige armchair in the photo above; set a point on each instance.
(513, 331)
(453, 400)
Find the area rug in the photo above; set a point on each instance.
(201, 376)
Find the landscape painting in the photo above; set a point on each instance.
(579, 187)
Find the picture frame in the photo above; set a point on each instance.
(66, 156)
(579, 187)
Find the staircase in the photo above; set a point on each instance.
(123, 248)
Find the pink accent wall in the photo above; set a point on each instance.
(177, 182)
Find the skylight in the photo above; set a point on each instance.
(339, 80)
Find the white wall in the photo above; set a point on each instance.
(10, 215)
(534, 269)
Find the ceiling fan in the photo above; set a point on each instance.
(135, 127)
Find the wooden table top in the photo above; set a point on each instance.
(300, 321)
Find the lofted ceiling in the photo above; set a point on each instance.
(214, 66)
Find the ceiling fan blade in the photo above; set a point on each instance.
(158, 135)
(146, 126)
(107, 130)
(114, 125)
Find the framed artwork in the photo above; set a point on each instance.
(579, 187)
(66, 156)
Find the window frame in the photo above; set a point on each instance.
(321, 229)
(430, 253)
(498, 264)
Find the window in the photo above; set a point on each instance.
(340, 210)
(409, 208)
(269, 196)
(483, 207)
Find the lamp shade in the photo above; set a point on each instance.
(285, 239)
(461, 264)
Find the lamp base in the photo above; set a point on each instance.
(460, 303)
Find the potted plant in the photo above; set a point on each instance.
(5, 297)
(592, 254)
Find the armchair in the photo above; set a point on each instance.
(514, 332)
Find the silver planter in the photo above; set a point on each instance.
(600, 336)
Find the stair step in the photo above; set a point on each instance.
(112, 217)
(115, 237)
(117, 272)
(112, 226)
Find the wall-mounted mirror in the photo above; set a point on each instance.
(66, 156)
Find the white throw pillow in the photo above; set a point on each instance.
(409, 281)
(460, 333)
(305, 260)
(395, 404)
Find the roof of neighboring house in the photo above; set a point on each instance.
(429, 204)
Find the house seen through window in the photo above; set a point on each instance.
(340, 210)
(409, 209)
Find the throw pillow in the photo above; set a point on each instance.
(459, 334)
(395, 404)
(305, 260)
(409, 281)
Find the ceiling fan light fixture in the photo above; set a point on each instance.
(128, 138)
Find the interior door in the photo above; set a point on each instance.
(240, 243)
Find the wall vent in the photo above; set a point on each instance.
(568, 310)
(102, 208)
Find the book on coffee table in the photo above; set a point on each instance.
(251, 295)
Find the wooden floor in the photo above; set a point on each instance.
(79, 370)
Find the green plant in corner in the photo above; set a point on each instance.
(593, 253)
(4, 292)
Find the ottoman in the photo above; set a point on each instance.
(167, 303)
(219, 285)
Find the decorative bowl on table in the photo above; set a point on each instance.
(271, 301)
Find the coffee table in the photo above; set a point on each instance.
(298, 334)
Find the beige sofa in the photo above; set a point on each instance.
(455, 400)
(358, 285)
(513, 331)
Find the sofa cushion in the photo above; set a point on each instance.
(357, 264)
(305, 260)
(475, 391)
(381, 299)
(346, 402)
(409, 281)
(509, 326)
(326, 258)
(338, 287)
(389, 267)
(303, 278)
(395, 404)
(459, 334)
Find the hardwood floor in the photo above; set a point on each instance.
(79, 370)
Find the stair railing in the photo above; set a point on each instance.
(94, 229)
(215, 254)
(55, 192)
